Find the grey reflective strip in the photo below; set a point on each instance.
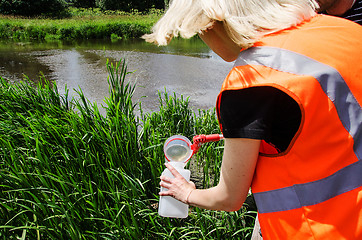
(311, 193)
(349, 112)
(332, 83)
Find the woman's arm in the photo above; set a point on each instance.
(237, 170)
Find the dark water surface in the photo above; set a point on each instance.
(185, 67)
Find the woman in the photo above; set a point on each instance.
(348, 9)
(290, 112)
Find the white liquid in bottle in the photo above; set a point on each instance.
(177, 153)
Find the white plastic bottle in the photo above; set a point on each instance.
(169, 206)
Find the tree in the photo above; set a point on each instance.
(128, 5)
(32, 7)
(112, 4)
(83, 3)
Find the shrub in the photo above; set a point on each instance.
(33, 7)
(127, 5)
(83, 3)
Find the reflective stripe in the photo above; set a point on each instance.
(349, 112)
(332, 83)
(311, 193)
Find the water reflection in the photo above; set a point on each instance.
(186, 67)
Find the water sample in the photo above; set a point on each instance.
(178, 153)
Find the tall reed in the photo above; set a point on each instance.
(69, 172)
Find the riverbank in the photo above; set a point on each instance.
(68, 172)
(83, 24)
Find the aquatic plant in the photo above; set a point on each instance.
(69, 172)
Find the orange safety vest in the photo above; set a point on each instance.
(313, 189)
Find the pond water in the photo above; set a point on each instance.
(186, 67)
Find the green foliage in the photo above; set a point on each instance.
(69, 172)
(59, 8)
(113, 5)
(83, 3)
(95, 25)
(129, 5)
(32, 7)
(210, 155)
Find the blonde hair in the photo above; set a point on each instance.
(244, 20)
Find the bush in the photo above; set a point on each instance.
(127, 5)
(83, 3)
(113, 4)
(33, 7)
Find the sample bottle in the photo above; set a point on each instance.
(169, 206)
(177, 151)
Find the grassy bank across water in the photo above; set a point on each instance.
(84, 24)
(69, 172)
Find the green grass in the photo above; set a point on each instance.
(83, 24)
(69, 172)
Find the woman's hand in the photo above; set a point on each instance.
(178, 187)
(237, 170)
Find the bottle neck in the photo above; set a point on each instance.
(177, 164)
